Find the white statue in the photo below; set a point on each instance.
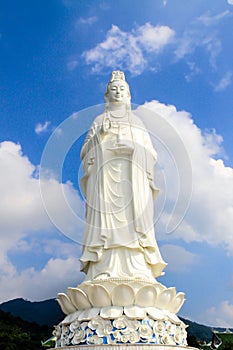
(120, 301)
(118, 160)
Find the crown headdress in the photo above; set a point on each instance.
(117, 75)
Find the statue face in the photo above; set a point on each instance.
(118, 91)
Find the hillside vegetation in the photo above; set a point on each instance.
(18, 334)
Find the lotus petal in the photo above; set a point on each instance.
(109, 285)
(88, 314)
(176, 303)
(165, 298)
(70, 318)
(65, 304)
(135, 312)
(136, 285)
(146, 296)
(172, 317)
(111, 312)
(99, 296)
(122, 295)
(155, 313)
(159, 288)
(78, 298)
(84, 287)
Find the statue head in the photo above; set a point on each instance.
(117, 91)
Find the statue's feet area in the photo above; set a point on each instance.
(116, 311)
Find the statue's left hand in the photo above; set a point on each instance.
(123, 147)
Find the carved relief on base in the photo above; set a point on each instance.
(122, 330)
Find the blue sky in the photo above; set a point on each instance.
(56, 58)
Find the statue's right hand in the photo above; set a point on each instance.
(106, 125)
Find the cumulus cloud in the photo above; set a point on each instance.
(21, 206)
(224, 82)
(140, 49)
(53, 245)
(42, 128)
(230, 2)
(220, 315)
(23, 215)
(54, 277)
(129, 50)
(153, 38)
(178, 258)
(210, 214)
(22, 202)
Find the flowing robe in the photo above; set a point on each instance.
(118, 160)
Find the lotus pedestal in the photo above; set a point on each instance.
(132, 314)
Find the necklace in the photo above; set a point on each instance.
(119, 114)
(111, 118)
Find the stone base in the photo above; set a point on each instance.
(127, 347)
(120, 331)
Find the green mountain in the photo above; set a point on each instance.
(199, 331)
(18, 334)
(45, 312)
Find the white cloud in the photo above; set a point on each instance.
(202, 33)
(153, 39)
(220, 315)
(139, 49)
(178, 258)
(209, 20)
(23, 198)
(50, 245)
(195, 37)
(230, 2)
(23, 215)
(129, 50)
(193, 71)
(61, 249)
(88, 20)
(210, 214)
(42, 128)
(224, 82)
(55, 276)
(20, 206)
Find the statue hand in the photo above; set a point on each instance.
(123, 147)
(154, 189)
